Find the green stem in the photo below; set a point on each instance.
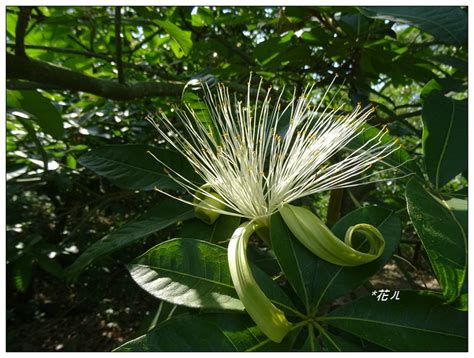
(326, 335)
(311, 337)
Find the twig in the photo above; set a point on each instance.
(78, 42)
(31, 131)
(399, 117)
(334, 207)
(20, 30)
(118, 44)
(141, 43)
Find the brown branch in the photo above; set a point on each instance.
(45, 74)
(25, 85)
(334, 207)
(136, 66)
(78, 42)
(20, 30)
(67, 50)
(399, 117)
(118, 44)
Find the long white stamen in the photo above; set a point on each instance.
(255, 168)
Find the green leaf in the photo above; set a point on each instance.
(461, 302)
(183, 38)
(442, 230)
(446, 23)
(199, 108)
(218, 233)
(444, 137)
(130, 166)
(164, 214)
(71, 162)
(315, 280)
(206, 332)
(311, 344)
(337, 343)
(21, 272)
(42, 109)
(49, 265)
(187, 272)
(399, 158)
(269, 50)
(416, 322)
(430, 86)
(195, 274)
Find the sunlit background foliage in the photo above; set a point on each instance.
(81, 82)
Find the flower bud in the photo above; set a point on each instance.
(206, 205)
(271, 321)
(317, 238)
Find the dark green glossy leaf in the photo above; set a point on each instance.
(400, 158)
(416, 322)
(461, 302)
(447, 23)
(269, 50)
(195, 274)
(49, 265)
(187, 272)
(218, 233)
(444, 137)
(42, 109)
(336, 343)
(208, 332)
(442, 231)
(164, 214)
(443, 85)
(431, 86)
(315, 280)
(131, 166)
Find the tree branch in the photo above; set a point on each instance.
(118, 44)
(136, 66)
(67, 50)
(46, 74)
(20, 30)
(399, 117)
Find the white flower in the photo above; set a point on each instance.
(255, 166)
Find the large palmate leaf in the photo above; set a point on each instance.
(164, 214)
(208, 332)
(446, 23)
(416, 322)
(195, 274)
(443, 231)
(315, 280)
(131, 166)
(444, 137)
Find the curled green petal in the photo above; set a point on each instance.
(271, 321)
(206, 205)
(317, 238)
